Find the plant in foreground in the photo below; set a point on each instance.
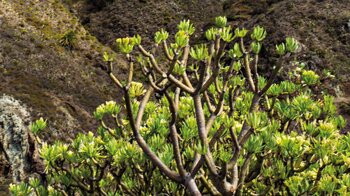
(217, 127)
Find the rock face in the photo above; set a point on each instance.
(17, 146)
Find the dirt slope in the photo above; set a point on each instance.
(123, 18)
(322, 26)
(61, 85)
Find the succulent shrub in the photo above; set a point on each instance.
(205, 122)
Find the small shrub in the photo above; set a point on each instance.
(68, 40)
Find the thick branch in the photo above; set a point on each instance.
(142, 107)
(166, 51)
(186, 53)
(202, 132)
(244, 171)
(248, 73)
(201, 77)
(247, 66)
(174, 137)
(142, 143)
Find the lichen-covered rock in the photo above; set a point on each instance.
(17, 146)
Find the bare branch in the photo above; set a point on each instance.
(274, 75)
(111, 75)
(216, 70)
(199, 161)
(255, 72)
(141, 142)
(248, 73)
(207, 100)
(186, 53)
(131, 70)
(163, 74)
(174, 137)
(202, 132)
(201, 77)
(244, 171)
(247, 66)
(172, 65)
(166, 50)
(217, 112)
(210, 187)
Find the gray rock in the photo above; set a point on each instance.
(14, 136)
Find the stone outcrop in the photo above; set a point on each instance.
(17, 146)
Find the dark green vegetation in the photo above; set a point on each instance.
(205, 121)
(68, 40)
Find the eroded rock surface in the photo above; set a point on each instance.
(17, 146)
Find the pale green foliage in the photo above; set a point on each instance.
(287, 138)
(160, 36)
(235, 52)
(126, 45)
(199, 52)
(37, 126)
(186, 26)
(109, 108)
(310, 77)
(211, 33)
(21, 189)
(107, 57)
(256, 47)
(241, 32)
(136, 89)
(220, 21)
(259, 33)
(181, 39)
(291, 44)
(281, 49)
(237, 65)
(179, 69)
(226, 34)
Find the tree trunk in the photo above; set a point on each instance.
(191, 186)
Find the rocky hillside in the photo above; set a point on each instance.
(59, 83)
(65, 82)
(322, 26)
